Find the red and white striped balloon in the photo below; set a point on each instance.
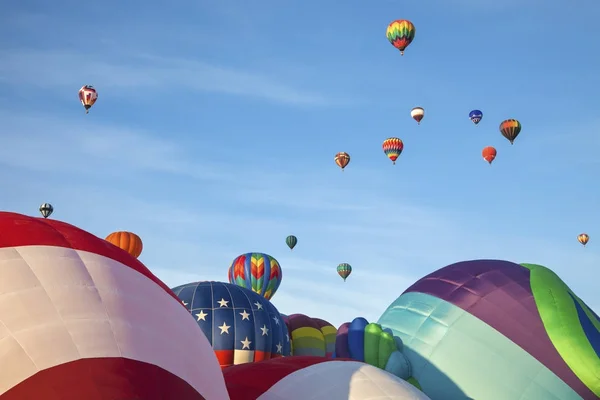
(82, 319)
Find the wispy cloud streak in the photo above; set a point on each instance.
(50, 69)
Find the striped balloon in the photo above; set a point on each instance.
(344, 270)
(329, 333)
(82, 319)
(510, 129)
(311, 336)
(392, 147)
(256, 271)
(400, 33)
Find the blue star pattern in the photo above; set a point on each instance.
(241, 325)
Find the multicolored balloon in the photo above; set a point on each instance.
(310, 336)
(484, 323)
(242, 326)
(401, 33)
(417, 114)
(342, 159)
(344, 270)
(583, 238)
(256, 271)
(392, 147)
(370, 343)
(46, 210)
(510, 129)
(88, 96)
(476, 116)
(489, 154)
(291, 241)
(128, 241)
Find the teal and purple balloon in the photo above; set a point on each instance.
(485, 323)
(344, 270)
(291, 241)
(476, 116)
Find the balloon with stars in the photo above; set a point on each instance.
(241, 325)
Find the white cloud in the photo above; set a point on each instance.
(134, 75)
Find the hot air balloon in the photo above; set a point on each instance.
(417, 114)
(310, 336)
(370, 343)
(510, 129)
(128, 241)
(315, 378)
(342, 159)
(88, 96)
(82, 319)
(392, 147)
(489, 154)
(476, 116)
(46, 210)
(484, 323)
(256, 271)
(241, 325)
(400, 33)
(291, 241)
(583, 238)
(344, 270)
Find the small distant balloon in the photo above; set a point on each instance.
(88, 96)
(392, 147)
(128, 241)
(583, 238)
(417, 114)
(476, 116)
(344, 270)
(400, 33)
(342, 159)
(291, 241)
(46, 210)
(510, 129)
(489, 154)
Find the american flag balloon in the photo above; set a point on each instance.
(82, 319)
(316, 378)
(242, 326)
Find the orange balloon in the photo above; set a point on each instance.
(128, 241)
(488, 154)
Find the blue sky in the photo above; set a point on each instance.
(217, 123)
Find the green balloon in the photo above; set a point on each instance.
(291, 241)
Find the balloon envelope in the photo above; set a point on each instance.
(81, 319)
(483, 323)
(476, 116)
(316, 378)
(128, 241)
(256, 271)
(241, 325)
(311, 336)
(400, 33)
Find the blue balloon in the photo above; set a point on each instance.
(476, 116)
(241, 325)
(356, 338)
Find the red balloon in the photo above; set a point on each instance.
(489, 154)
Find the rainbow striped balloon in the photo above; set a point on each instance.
(256, 271)
(392, 147)
(310, 336)
(400, 33)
